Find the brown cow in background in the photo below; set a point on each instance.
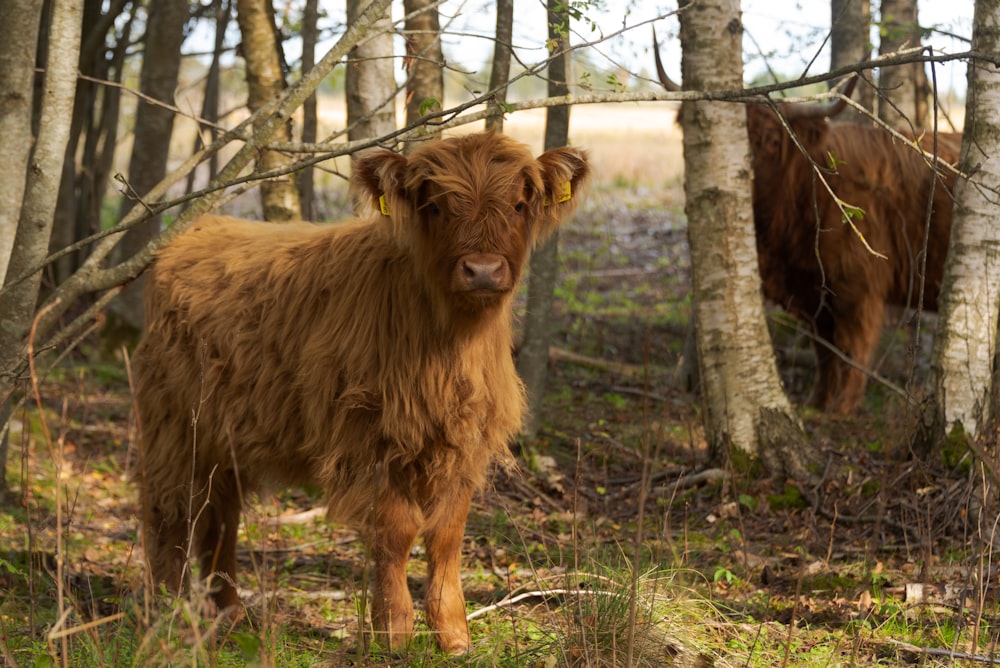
(812, 263)
(371, 358)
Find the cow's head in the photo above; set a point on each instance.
(469, 208)
(768, 127)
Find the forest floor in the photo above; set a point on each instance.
(616, 543)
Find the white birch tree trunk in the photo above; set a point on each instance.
(31, 242)
(746, 410)
(19, 22)
(965, 347)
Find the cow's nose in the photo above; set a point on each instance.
(484, 273)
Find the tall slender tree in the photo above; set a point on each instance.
(850, 24)
(424, 60)
(310, 121)
(370, 84)
(17, 77)
(746, 412)
(965, 349)
(221, 11)
(532, 360)
(37, 205)
(500, 70)
(265, 82)
(903, 89)
(154, 124)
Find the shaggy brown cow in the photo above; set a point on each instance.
(372, 358)
(815, 265)
(811, 262)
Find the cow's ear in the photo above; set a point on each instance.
(565, 175)
(376, 181)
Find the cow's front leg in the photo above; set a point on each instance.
(444, 599)
(396, 523)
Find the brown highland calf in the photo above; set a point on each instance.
(812, 263)
(372, 358)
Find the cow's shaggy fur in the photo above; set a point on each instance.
(815, 265)
(371, 358)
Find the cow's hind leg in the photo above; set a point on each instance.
(857, 334)
(828, 367)
(396, 523)
(216, 533)
(444, 599)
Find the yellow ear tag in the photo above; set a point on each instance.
(383, 205)
(564, 196)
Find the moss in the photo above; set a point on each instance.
(744, 464)
(790, 498)
(955, 449)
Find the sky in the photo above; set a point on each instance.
(790, 32)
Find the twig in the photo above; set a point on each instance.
(951, 654)
(620, 368)
(692, 479)
(539, 593)
(305, 517)
(62, 633)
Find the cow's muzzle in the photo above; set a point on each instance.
(482, 272)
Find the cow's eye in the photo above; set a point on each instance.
(432, 209)
(519, 207)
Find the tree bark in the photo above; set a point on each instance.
(19, 23)
(222, 9)
(500, 71)
(37, 205)
(533, 356)
(850, 23)
(265, 82)
(101, 141)
(425, 62)
(903, 89)
(310, 36)
(151, 144)
(965, 349)
(747, 414)
(371, 87)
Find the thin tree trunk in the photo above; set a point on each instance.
(850, 23)
(37, 207)
(210, 103)
(370, 83)
(66, 227)
(747, 414)
(425, 80)
(903, 89)
(151, 145)
(265, 82)
(310, 35)
(19, 24)
(100, 144)
(533, 356)
(500, 72)
(965, 349)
